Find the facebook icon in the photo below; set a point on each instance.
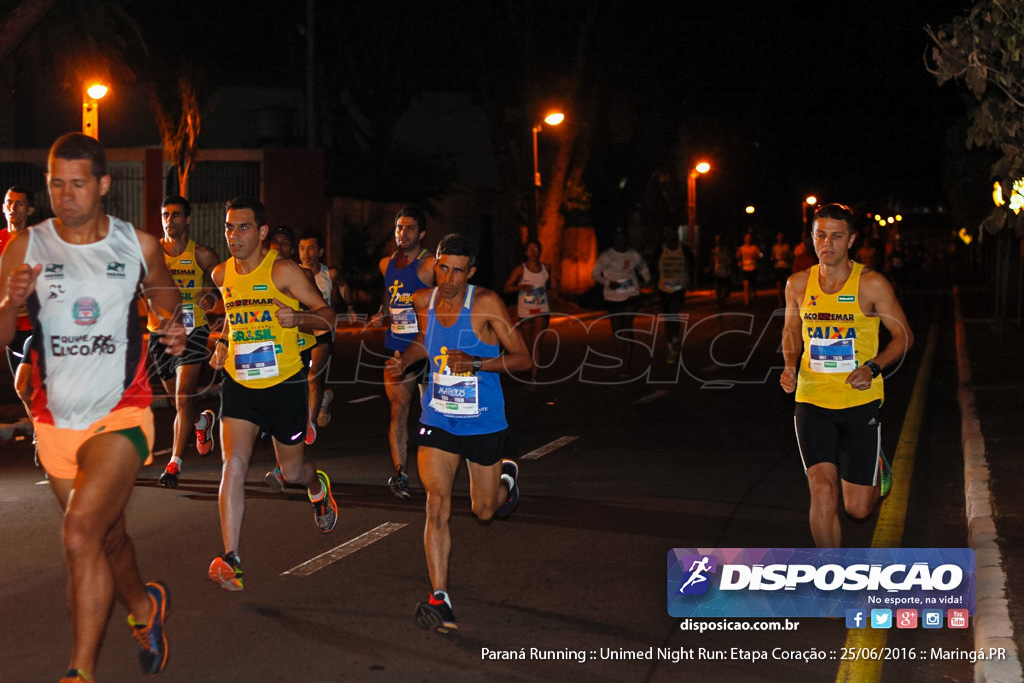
(855, 618)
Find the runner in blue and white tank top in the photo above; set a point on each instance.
(467, 338)
(409, 269)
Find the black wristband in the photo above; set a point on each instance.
(477, 364)
(875, 368)
(222, 340)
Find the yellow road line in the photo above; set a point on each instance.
(892, 515)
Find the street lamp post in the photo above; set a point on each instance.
(552, 119)
(691, 203)
(91, 110)
(809, 202)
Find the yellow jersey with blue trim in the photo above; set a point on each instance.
(838, 338)
(261, 352)
(188, 275)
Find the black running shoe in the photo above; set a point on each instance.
(510, 477)
(436, 614)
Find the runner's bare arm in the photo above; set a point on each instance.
(293, 280)
(876, 291)
(426, 271)
(17, 282)
(491, 310)
(162, 294)
(208, 260)
(792, 339)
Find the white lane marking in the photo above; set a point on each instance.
(653, 396)
(364, 398)
(344, 550)
(544, 450)
(163, 452)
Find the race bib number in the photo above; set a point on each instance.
(832, 355)
(624, 284)
(188, 317)
(255, 360)
(403, 321)
(455, 395)
(535, 297)
(672, 285)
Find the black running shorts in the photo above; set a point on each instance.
(483, 449)
(282, 411)
(849, 438)
(195, 352)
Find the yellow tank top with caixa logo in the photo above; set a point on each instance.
(838, 338)
(261, 353)
(188, 276)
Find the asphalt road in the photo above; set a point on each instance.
(617, 472)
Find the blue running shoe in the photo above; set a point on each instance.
(510, 477)
(152, 637)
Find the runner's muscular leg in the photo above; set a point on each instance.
(437, 470)
(295, 467)
(485, 489)
(860, 500)
(186, 381)
(100, 555)
(823, 481)
(400, 395)
(237, 438)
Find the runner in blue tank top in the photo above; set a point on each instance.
(409, 269)
(467, 338)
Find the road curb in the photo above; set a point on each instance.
(992, 625)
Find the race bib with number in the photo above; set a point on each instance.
(455, 395)
(624, 284)
(403, 321)
(832, 355)
(188, 317)
(255, 360)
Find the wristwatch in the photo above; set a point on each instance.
(875, 368)
(477, 364)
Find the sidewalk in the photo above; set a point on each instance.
(992, 408)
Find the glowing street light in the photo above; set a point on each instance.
(750, 209)
(552, 119)
(691, 202)
(91, 109)
(811, 201)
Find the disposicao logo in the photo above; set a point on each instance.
(811, 582)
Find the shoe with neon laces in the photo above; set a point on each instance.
(204, 432)
(152, 637)
(436, 614)
(325, 510)
(399, 485)
(275, 480)
(886, 474)
(73, 676)
(226, 571)
(169, 479)
(310, 431)
(323, 418)
(510, 477)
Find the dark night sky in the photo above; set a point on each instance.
(785, 99)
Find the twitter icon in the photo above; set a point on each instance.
(881, 618)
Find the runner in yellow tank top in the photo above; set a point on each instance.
(831, 334)
(190, 265)
(264, 385)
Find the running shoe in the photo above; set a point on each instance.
(310, 431)
(72, 676)
(152, 637)
(886, 474)
(169, 479)
(274, 480)
(399, 485)
(325, 510)
(204, 432)
(510, 477)
(226, 571)
(323, 418)
(436, 614)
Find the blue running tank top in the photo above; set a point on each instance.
(401, 284)
(465, 404)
